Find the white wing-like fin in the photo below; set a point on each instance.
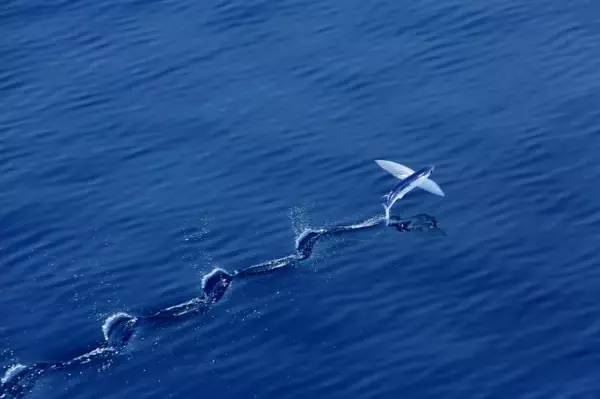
(396, 169)
(401, 172)
(431, 187)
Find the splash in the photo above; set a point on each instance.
(119, 328)
(12, 372)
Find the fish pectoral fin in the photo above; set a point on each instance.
(431, 187)
(402, 172)
(398, 170)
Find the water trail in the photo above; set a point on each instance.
(119, 328)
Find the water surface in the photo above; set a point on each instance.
(143, 143)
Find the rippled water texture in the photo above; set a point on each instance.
(145, 143)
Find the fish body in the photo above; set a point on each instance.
(402, 172)
(404, 187)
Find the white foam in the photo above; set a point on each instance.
(210, 274)
(307, 231)
(367, 223)
(185, 306)
(108, 323)
(12, 371)
(87, 357)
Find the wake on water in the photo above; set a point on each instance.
(119, 328)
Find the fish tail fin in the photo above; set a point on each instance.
(387, 215)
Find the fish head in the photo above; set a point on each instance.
(425, 172)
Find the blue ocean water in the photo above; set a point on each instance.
(144, 143)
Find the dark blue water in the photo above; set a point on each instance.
(144, 143)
